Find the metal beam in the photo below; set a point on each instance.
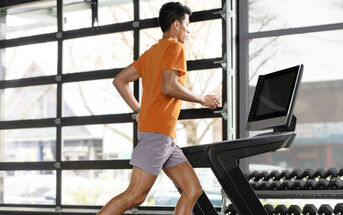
(8, 209)
(210, 63)
(202, 113)
(293, 31)
(11, 3)
(242, 75)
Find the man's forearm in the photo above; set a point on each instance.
(121, 82)
(171, 87)
(178, 91)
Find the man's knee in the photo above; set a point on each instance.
(197, 192)
(194, 192)
(137, 198)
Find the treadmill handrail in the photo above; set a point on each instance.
(250, 146)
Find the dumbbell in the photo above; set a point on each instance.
(280, 210)
(338, 210)
(300, 183)
(259, 179)
(254, 185)
(270, 178)
(310, 209)
(294, 210)
(325, 209)
(273, 175)
(337, 183)
(269, 208)
(251, 178)
(275, 185)
(230, 210)
(263, 186)
(311, 183)
(323, 183)
(262, 176)
(287, 184)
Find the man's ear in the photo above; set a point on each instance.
(176, 24)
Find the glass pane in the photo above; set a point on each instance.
(203, 82)
(93, 187)
(149, 37)
(111, 12)
(101, 52)
(28, 187)
(319, 104)
(78, 14)
(92, 98)
(29, 19)
(282, 14)
(205, 5)
(205, 39)
(97, 187)
(30, 144)
(23, 62)
(210, 185)
(275, 53)
(151, 8)
(198, 131)
(28, 102)
(97, 142)
(164, 192)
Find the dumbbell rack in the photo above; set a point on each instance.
(301, 194)
(222, 157)
(303, 184)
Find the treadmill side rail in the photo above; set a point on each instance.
(223, 158)
(224, 164)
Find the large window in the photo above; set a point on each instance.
(282, 34)
(284, 14)
(318, 104)
(66, 135)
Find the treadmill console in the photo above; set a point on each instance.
(274, 99)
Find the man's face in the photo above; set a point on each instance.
(183, 30)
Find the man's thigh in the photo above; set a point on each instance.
(141, 181)
(183, 175)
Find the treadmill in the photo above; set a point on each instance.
(271, 108)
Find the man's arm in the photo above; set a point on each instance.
(171, 87)
(121, 82)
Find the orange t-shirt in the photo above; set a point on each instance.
(159, 112)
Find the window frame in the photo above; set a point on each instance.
(59, 79)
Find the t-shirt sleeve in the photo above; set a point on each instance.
(175, 58)
(138, 64)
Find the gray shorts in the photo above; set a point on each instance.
(155, 151)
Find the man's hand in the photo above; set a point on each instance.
(137, 117)
(210, 101)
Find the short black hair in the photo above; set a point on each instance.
(170, 12)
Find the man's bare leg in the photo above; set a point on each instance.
(185, 178)
(140, 185)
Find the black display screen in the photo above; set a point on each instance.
(273, 94)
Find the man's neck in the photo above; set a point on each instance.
(168, 34)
